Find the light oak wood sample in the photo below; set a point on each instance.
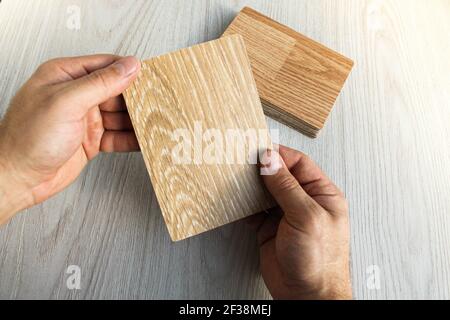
(205, 87)
(298, 79)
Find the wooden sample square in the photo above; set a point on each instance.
(298, 79)
(201, 98)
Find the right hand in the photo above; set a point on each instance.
(304, 244)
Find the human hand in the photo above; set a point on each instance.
(64, 115)
(304, 244)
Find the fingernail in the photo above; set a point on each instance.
(270, 163)
(127, 66)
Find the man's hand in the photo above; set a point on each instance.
(69, 111)
(304, 245)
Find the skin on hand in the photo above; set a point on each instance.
(304, 244)
(66, 113)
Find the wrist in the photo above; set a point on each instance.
(342, 293)
(339, 289)
(14, 197)
(320, 295)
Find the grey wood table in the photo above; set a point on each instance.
(387, 144)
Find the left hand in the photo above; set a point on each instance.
(66, 113)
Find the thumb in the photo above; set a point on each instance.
(103, 84)
(296, 204)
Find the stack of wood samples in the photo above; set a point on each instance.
(298, 79)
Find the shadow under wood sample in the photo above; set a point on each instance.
(298, 79)
(173, 103)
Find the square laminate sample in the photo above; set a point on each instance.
(186, 107)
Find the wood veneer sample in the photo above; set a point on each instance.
(182, 94)
(298, 79)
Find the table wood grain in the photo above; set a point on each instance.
(386, 145)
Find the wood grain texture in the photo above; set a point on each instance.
(386, 145)
(207, 87)
(298, 79)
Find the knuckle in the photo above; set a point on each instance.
(56, 99)
(48, 68)
(287, 183)
(54, 61)
(50, 64)
(100, 80)
(313, 222)
(43, 68)
(304, 158)
(324, 188)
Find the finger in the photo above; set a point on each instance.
(301, 166)
(70, 68)
(297, 205)
(315, 183)
(265, 224)
(119, 141)
(116, 121)
(114, 104)
(312, 179)
(256, 220)
(268, 229)
(101, 85)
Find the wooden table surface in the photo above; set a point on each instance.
(387, 144)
